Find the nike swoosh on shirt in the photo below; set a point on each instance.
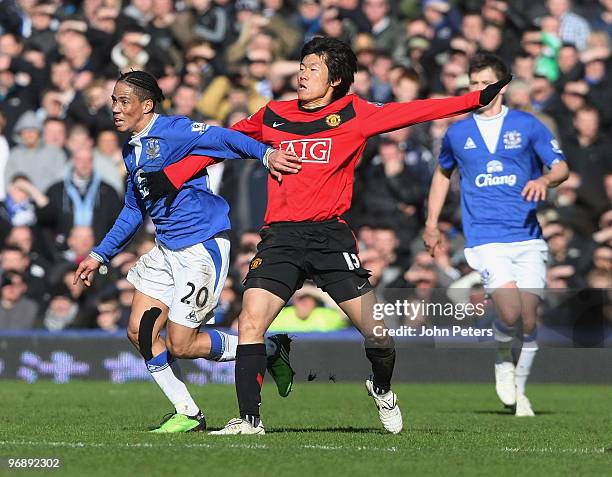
(275, 124)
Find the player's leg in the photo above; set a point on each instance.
(200, 272)
(530, 268)
(262, 301)
(495, 268)
(529, 349)
(336, 268)
(379, 347)
(153, 282)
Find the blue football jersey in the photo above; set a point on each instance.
(196, 214)
(492, 207)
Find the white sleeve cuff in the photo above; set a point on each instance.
(266, 156)
(94, 255)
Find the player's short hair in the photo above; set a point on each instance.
(340, 60)
(143, 84)
(484, 60)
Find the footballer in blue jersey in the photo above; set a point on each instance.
(500, 155)
(178, 283)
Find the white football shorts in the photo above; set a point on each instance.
(501, 263)
(189, 280)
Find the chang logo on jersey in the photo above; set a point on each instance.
(490, 179)
(494, 166)
(309, 150)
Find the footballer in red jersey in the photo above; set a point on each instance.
(304, 235)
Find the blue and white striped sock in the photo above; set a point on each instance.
(223, 346)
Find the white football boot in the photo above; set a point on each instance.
(504, 383)
(523, 406)
(388, 409)
(239, 426)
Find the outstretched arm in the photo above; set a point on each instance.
(167, 182)
(380, 118)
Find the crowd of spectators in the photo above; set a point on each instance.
(219, 61)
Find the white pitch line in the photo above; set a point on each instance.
(552, 450)
(205, 445)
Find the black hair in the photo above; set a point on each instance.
(340, 60)
(483, 60)
(144, 85)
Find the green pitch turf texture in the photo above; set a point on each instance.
(321, 429)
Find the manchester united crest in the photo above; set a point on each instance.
(256, 262)
(333, 120)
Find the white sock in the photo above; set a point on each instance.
(523, 366)
(223, 346)
(503, 341)
(168, 377)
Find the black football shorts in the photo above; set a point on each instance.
(291, 252)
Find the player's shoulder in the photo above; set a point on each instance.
(461, 125)
(525, 122)
(521, 115)
(279, 106)
(358, 101)
(179, 124)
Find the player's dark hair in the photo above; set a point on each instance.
(340, 60)
(483, 60)
(144, 85)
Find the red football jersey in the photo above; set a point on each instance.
(329, 141)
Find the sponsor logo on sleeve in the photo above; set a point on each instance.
(555, 146)
(199, 127)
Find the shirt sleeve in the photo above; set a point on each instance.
(187, 137)
(447, 159)
(376, 118)
(129, 220)
(181, 171)
(544, 144)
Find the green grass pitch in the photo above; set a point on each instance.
(321, 429)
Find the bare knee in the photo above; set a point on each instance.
(509, 314)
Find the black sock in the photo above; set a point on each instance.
(250, 369)
(383, 361)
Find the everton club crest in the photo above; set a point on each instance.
(153, 149)
(512, 140)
